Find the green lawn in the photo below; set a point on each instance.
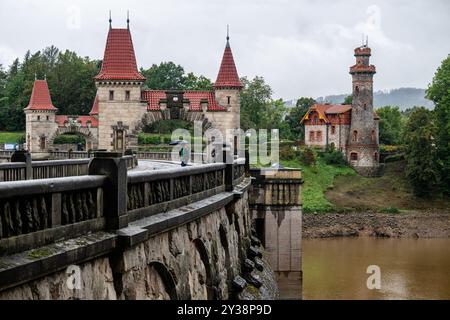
(318, 179)
(10, 137)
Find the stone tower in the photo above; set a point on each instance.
(119, 85)
(40, 118)
(363, 149)
(227, 89)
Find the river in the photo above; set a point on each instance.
(335, 268)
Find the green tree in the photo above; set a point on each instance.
(390, 125)
(297, 130)
(255, 96)
(420, 152)
(439, 92)
(69, 77)
(348, 100)
(165, 76)
(192, 82)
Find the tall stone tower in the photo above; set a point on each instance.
(119, 92)
(363, 149)
(40, 118)
(227, 89)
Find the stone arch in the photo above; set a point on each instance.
(200, 272)
(86, 133)
(156, 116)
(161, 282)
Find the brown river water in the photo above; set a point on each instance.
(409, 268)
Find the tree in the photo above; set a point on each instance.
(297, 130)
(390, 125)
(70, 82)
(420, 152)
(439, 92)
(255, 96)
(165, 76)
(192, 82)
(348, 100)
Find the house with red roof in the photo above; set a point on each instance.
(123, 106)
(352, 129)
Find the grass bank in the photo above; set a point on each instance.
(318, 179)
(11, 137)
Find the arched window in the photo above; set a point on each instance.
(375, 156)
(356, 89)
(333, 129)
(315, 119)
(355, 135)
(311, 136)
(374, 137)
(353, 156)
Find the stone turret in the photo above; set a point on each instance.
(363, 149)
(40, 118)
(227, 89)
(119, 85)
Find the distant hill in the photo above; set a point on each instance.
(403, 97)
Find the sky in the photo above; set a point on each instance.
(300, 47)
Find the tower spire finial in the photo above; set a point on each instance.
(367, 41)
(228, 32)
(128, 19)
(110, 20)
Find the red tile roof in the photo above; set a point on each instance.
(228, 76)
(83, 120)
(153, 98)
(363, 51)
(119, 62)
(195, 98)
(338, 108)
(40, 97)
(94, 110)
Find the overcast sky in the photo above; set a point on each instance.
(301, 48)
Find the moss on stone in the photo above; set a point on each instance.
(39, 253)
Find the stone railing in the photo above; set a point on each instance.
(165, 189)
(165, 156)
(71, 154)
(22, 168)
(39, 212)
(6, 154)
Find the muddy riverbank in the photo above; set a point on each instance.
(407, 225)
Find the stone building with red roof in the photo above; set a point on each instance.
(123, 107)
(352, 129)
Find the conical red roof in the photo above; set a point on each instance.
(94, 110)
(119, 62)
(40, 97)
(228, 76)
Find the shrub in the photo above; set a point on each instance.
(287, 153)
(308, 157)
(68, 139)
(390, 210)
(149, 139)
(334, 157)
(395, 157)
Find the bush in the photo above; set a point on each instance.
(287, 153)
(68, 139)
(334, 157)
(149, 139)
(390, 210)
(166, 139)
(394, 157)
(308, 157)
